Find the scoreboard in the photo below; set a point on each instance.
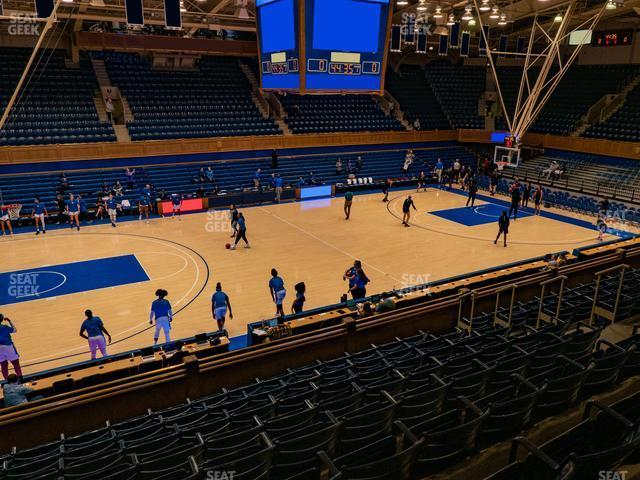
(345, 44)
(323, 45)
(278, 43)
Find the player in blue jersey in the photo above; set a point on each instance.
(234, 214)
(241, 233)
(176, 205)
(277, 291)
(143, 206)
(73, 210)
(39, 213)
(219, 305)
(92, 330)
(278, 184)
(162, 314)
(112, 209)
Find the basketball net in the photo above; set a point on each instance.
(13, 210)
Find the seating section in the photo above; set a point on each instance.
(568, 104)
(410, 88)
(214, 100)
(458, 89)
(623, 124)
(401, 410)
(336, 113)
(592, 174)
(230, 175)
(55, 104)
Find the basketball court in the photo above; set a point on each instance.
(52, 279)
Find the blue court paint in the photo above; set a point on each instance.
(44, 282)
(478, 215)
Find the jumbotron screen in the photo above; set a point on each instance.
(345, 44)
(278, 43)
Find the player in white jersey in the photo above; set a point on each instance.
(5, 220)
(176, 205)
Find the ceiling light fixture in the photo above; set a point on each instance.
(503, 20)
(557, 18)
(485, 7)
(438, 12)
(494, 13)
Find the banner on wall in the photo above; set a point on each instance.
(504, 45)
(172, 15)
(454, 35)
(442, 47)
(482, 46)
(466, 43)
(135, 12)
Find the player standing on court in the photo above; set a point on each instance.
(515, 198)
(278, 184)
(8, 352)
(219, 305)
(277, 291)
(503, 227)
(39, 212)
(348, 201)
(406, 210)
(73, 210)
(92, 329)
(143, 206)
(176, 205)
(5, 221)
(537, 199)
(473, 190)
(112, 209)
(162, 314)
(241, 233)
(385, 189)
(233, 213)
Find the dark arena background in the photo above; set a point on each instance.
(319, 239)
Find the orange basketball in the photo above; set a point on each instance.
(227, 246)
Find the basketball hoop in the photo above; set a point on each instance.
(13, 210)
(501, 165)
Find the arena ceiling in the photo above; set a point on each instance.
(239, 15)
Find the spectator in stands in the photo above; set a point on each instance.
(14, 392)
(526, 195)
(64, 185)
(219, 305)
(278, 184)
(209, 173)
(416, 124)
(456, 170)
(349, 167)
(386, 305)
(256, 178)
(108, 106)
(338, 167)
(408, 161)
(300, 182)
(117, 189)
(551, 169)
(202, 177)
(359, 164)
(8, 352)
(274, 159)
(503, 227)
(312, 178)
(5, 221)
(130, 177)
(92, 330)
(277, 291)
(101, 208)
(537, 199)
